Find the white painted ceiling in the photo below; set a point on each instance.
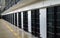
(2, 4)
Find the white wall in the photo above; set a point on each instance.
(22, 20)
(29, 21)
(43, 25)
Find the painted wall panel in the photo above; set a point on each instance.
(43, 26)
(29, 21)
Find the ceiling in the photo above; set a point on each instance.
(2, 4)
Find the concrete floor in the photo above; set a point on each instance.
(5, 32)
(10, 31)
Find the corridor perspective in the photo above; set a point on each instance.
(29, 18)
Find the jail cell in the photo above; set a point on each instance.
(53, 22)
(11, 18)
(57, 10)
(35, 27)
(19, 19)
(15, 19)
(8, 17)
(25, 20)
(50, 22)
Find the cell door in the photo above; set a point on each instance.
(57, 21)
(19, 19)
(25, 21)
(10, 19)
(15, 19)
(50, 22)
(53, 22)
(35, 27)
